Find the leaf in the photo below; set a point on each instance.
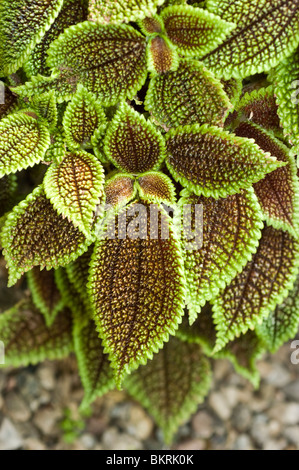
(83, 116)
(109, 11)
(264, 282)
(36, 235)
(231, 232)
(28, 340)
(10, 102)
(72, 12)
(233, 89)
(172, 385)
(267, 32)
(278, 192)
(282, 323)
(75, 187)
(8, 186)
(133, 144)
(109, 61)
(157, 187)
(45, 293)
(23, 142)
(120, 190)
(137, 289)
(45, 106)
(77, 272)
(57, 148)
(161, 55)
(189, 95)
(94, 366)
(70, 296)
(212, 162)
(151, 25)
(22, 25)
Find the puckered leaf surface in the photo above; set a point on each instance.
(212, 162)
(266, 33)
(45, 106)
(109, 61)
(10, 102)
(77, 272)
(132, 143)
(162, 56)
(23, 142)
(187, 96)
(137, 289)
(75, 187)
(109, 11)
(120, 190)
(8, 186)
(22, 25)
(34, 234)
(156, 186)
(27, 338)
(264, 282)
(172, 384)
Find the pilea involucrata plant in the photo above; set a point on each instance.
(159, 228)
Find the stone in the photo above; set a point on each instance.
(139, 425)
(33, 444)
(272, 444)
(291, 433)
(259, 429)
(202, 425)
(46, 419)
(292, 390)
(112, 439)
(286, 413)
(241, 418)
(191, 444)
(10, 438)
(277, 375)
(219, 404)
(16, 408)
(46, 375)
(243, 442)
(87, 440)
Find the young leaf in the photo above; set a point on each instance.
(75, 187)
(231, 232)
(120, 190)
(278, 192)
(151, 25)
(156, 186)
(45, 106)
(22, 25)
(8, 186)
(27, 338)
(109, 61)
(109, 11)
(264, 282)
(266, 33)
(132, 143)
(172, 384)
(72, 12)
(282, 323)
(83, 116)
(34, 234)
(137, 288)
(45, 293)
(212, 162)
(189, 95)
(162, 56)
(23, 142)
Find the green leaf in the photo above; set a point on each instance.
(45, 293)
(72, 12)
(45, 106)
(231, 231)
(109, 11)
(23, 142)
(27, 338)
(187, 96)
(34, 234)
(57, 148)
(278, 192)
(212, 162)
(8, 187)
(151, 25)
(194, 32)
(22, 25)
(71, 297)
(94, 366)
(233, 89)
(75, 187)
(83, 116)
(267, 32)
(132, 143)
(172, 385)
(120, 190)
(109, 61)
(156, 186)
(137, 288)
(77, 272)
(282, 323)
(10, 102)
(162, 56)
(264, 282)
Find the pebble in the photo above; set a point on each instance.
(243, 442)
(140, 425)
(286, 413)
(112, 439)
(241, 417)
(292, 434)
(292, 391)
(16, 408)
(46, 419)
(219, 404)
(10, 438)
(202, 425)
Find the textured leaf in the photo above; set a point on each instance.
(10, 102)
(231, 232)
(233, 89)
(162, 56)
(23, 142)
(109, 11)
(94, 366)
(109, 61)
(187, 96)
(71, 297)
(137, 289)
(22, 25)
(266, 33)
(263, 283)
(151, 25)
(172, 385)
(45, 293)
(36, 235)
(72, 12)
(28, 340)
(83, 116)
(120, 190)
(157, 187)
(57, 148)
(8, 186)
(194, 31)
(282, 323)
(75, 187)
(213, 162)
(132, 143)
(45, 106)
(77, 272)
